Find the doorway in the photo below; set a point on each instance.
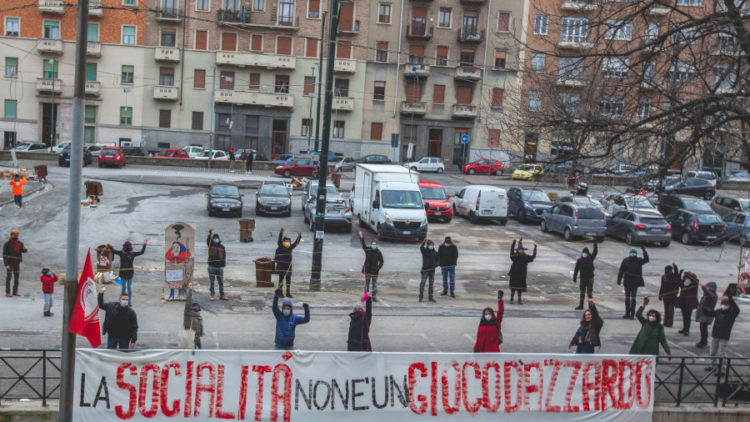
(530, 147)
(49, 123)
(278, 138)
(9, 140)
(435, 143)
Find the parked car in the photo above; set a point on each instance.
(669, 203)
(134, 151)
(111, 156)
(338, 212)
(31, 147)
(193, 151)
(374, 159)
(345, 164)
(284, 158)
(481, 202)
(173, 153)
(297, 168)
(215, 155)
(574, 221)
(310, 192)
(273, 198)
(427, 164)
(224, 199)
(585, 201)
(60, 147)
(484, 166)
(95, 150)
(527, 205)
(696, 226)
(567, 167)
(696, 187)
(527, 172)
(738, 227)
(621, 169)
(705, 175)
(618, 202)
(437, 204)
(739, 176)
(642, 226)
(653, 184)
(724, 205)
(63, 158)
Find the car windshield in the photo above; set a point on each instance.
(697, 205)
(639, 202)
(401, 199)
(276, 190)
(205, 154)
(433, 193)
(589, 201)
(108, 152)
(534, 196)
(708, 218)
(590, 214)
(744, 204)
(526, 168)
(706, 175)
(225, 190)
(653, 221)
(330, 190)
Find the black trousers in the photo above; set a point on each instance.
(587, 287)
(686, 318)
(668, 312)
(285, 275)
(704, 332)
(630, 295)
(14, 272)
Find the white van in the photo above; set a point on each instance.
(481, 202)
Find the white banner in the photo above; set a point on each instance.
(209, 385)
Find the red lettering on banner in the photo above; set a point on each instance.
(537, 388)
(201, 387)
(433, 388)
(626, 396)
(486, 401)
(576, 366)
(594, 386)
(472, 408)
(555, 364)
(149, 412)
(285, 396)
(164, 393)
(221, 413)
(519, 386)
(609, 379)
(188, 389)
(261, 371)
(132, 393)
(641, 378)
(242, 407)
(421, 398)
(447, 407)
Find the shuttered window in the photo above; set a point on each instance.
(311, 48)
(413, 92)
(313, 9)
(309, 87)
(226, 80)
(346, 17)
(500, 59)
(201, 40)
(438, 94)
(284, 45)
(497, 97)
(463, 95)
(442, 56)
(343, 50)
(254, 81)
(256, 42)
(229, 41)
(376, 131)
(199, 79)
(165, 118)
(197, 120)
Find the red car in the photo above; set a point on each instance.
(438, 204)
(300, 168)
(173, 153)
(111, 156)
(484, 166)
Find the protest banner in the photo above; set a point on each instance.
(179, 242)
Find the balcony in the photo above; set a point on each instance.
(55, 7)
(468, 73)
(166, 93)
(94, 49)
(236, 17)
(50, 46)
(343, 104)
(415, 108)
(574, 45)
(464, 111)
(579, 5)
(658, 10)
(167, 54)
(345, 65)
(169, 15)
(470, 35)
(255, 98)
(474, 2)
(416, 70)
(418, 31)
(268, 61)
(568, 82)
(47, 86)
(95, 9)
(353, 30)
(93, 88)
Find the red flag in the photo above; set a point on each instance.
(85, 318)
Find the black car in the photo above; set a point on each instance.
(696, 226)
(63, 158)
(224, 199)
(701, 188)
(273, 198)
(527, 205)
(133, 151)
(374, 159)
(670, 203)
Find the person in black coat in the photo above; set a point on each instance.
(631, 276)
(448, 255)
(724, 318)
(127, 257)
(519, 269)
(670, 285)
(371, 267)
(585, 267)
(430, 261)
(283, 259)
(13, 251)
(120, 322)
(217, 260)
(359, 327)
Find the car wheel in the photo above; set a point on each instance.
(665, 244)
(472, 171)
(448, 220)
(349, 228)
(629, 238)
(239, 214)
(708, 195)
(379, 231)
(473, 217)
(504, 221)
(439, 170)
(543, 226)
(567, 235)
(685, 238)
(287, 173)
(413, 169)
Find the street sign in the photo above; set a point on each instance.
(464, 139)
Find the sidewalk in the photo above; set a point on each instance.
(32, 186)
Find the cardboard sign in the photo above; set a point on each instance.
(179, 244)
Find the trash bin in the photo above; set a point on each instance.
(41, 172)
(336, 179)
(247, 227)
(93, 189)
(263, 272)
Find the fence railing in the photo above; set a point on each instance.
(30, 374)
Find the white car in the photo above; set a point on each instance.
(739, 176)
(705, 175)
(480, 202)
(60, 147)
(216, 154)
(427, 164)
(193, 151)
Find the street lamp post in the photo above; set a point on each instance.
(311, 95)
(52, 114)
(320, 82)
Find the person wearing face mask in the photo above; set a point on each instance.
(631, 276)
(519, 269)
(192, 319)
(120, 322)
(489, 332)
(283, 259)
(371, 267)
(16, 186)
(217, 260)
(724, 318)
(651, 335)
(585, 267)
(708, 301)
(286, 321)
(127, 257)
(670, 286)
(448, 253)
(359, 327)
(430, 261)
(586, 337)
(13, 251)
(688, 300)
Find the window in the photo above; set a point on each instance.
(128, 35)
(126, 116)
(11, 67)
(503, 22)
(538, 61)
(681, 72)
(376, 131)
(471, 20)
(90, 72)
(687, 35)
(541, 24)
(493, 138)
(126, 75)
(11, 109)
(168, 37)
(224, 122)
(284, 46)
(306, 127)
(256, 42)
(570, 103)
(615, 67)
(649, 71)
(197, 120)
(570, 68)
(338, 128)
(341, 87)
(199, 79)
(644, 108)
(166, 76)
(343, 49)
(89, 116)
(49, 69)
(381, 52)
(226, 80)
(129, 2)
(574, 29)
(254, 82)
(416, 54)
(619, 30)
(92, 33)
(497, 97)
(724, 77)
(309, 87)
(52, 30)
(165, 118)
(286, 12)
(228, 41)
(467, 57)
(612, 106)
(12, 27)
(201, 40)
(444, 17)
(652, 31)
(311, 47)
(438, 94)
(313, 9)
(282, 84)
(535, 100)
(441, 56)
(690, 2)
(726, 40)
(259, 5)
(89, 128)
(202, 5)
(384, 13)
(379, 92)
(500, 56)
(463, 95)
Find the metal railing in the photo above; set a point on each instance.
(30, 374)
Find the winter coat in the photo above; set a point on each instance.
(723, 320)
(631, 271)
(651, 335)
(119, 321)
(192, 320)
(588, 332)
(430, 258)
(670, 285)
(48, 283)
(217, 255)
(688, 298)
(448, 254)
(126, 261)
(286, 325)
(283, 256)
(12, 254)
(359, 329)
(518, 269)
(488, 332)
(373, 260)
(585, 266)
(17, 187)
(708, 301)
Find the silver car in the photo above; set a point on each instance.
(573, 221)
(345, 164)
(641, 226)
(618, 202)
(724, 205)
(338, 211)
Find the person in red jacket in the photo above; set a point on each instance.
(489, 334)
(48, 279)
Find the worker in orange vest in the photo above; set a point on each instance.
(17, 189)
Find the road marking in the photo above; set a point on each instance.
(468, 337)
(427, 339)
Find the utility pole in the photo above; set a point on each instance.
(52, 112)
(213, 113)
(320, 207)
(320, 76)
(74, 219)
